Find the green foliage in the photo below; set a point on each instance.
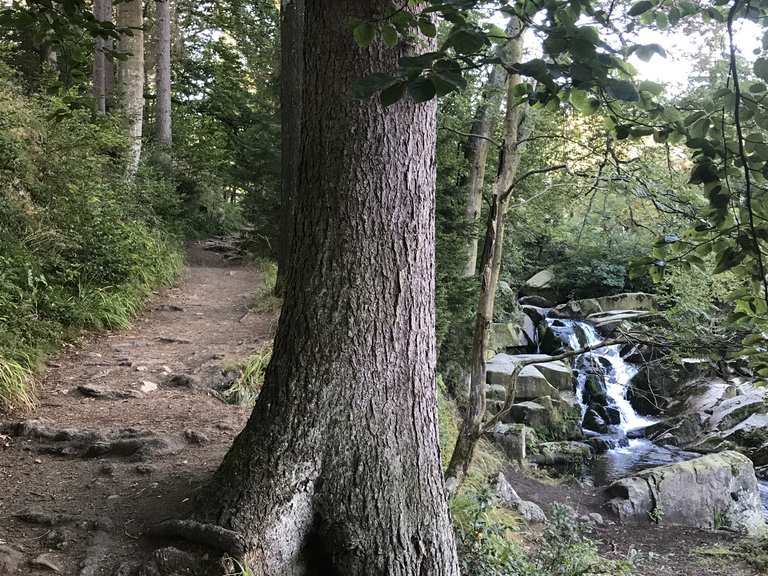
(245, 389)
(79, 247)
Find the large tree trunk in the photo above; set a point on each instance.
(163, 74)
(490, 268)
(337, 470)
(291, 80)
(102, 61)
(131, 76)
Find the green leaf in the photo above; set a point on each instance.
(392, 94)
(730, 258)
(622, 90)
(427, 27)
(640, 7)
(467, 40)
(364, 34)
(703, 173)
(422, 89)
(389, 35)
(761, 68)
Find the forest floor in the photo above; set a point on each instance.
(130, 425)
(117, 443)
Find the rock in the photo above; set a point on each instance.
(512, 439)
(607, 322)
(106, 393)
(535, 302)
(531, 512)
(42, 518)
(565, 452)
(595, 390)
(540, 284)
(145, 469)
(530, 382)
(46, 561)
(593, 421)
(147, 386)
(496, 392)
(612, 415)
(596, 519)
(195, 437)
(60, 538)
(107, 468)
(557, 373)
(10, 561)
(601, 444)
(505, 492)
(504, 335)
(713, 491)
(531, 414)
(183, 381)
(630, 301)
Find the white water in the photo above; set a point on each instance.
(618, 373)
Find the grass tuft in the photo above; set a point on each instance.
(16, 386)
(246, 388)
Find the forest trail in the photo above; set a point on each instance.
(83, 476)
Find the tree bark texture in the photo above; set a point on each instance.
(163, 74)
(337, 470)
(102, 60)
(291, 80)
(131, 76)
(490, 268)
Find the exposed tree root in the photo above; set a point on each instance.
(130, 443)
(209, 535)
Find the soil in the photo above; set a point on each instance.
(655, 550)
(101, 461)
(89, 507)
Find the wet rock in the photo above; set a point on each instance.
(531, 383)
(593, 421)
(169, 308)
(595, 390)
(107, 469)
(601, 444)
(630, 301)
(504, 335)
(535, 302)
(612, 415)
(10, 561)
(713, 491)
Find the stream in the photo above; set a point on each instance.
(630, 453)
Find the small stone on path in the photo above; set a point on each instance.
(46, 561)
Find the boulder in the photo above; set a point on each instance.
(531, 383)
(710, 492)
(505, 492)
(608, 322)
(503, 335)
(531, 512)
(536, 312)
(566, 452)
(513, 439)
(593, 421)
(595, 390)
(540, 284)
(557, 373)
(627, 302)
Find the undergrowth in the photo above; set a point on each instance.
(80, 246)
(490, 537)
(246, 387)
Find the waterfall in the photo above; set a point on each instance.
(614, 372)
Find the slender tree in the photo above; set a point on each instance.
(102, 61)
(131, 76)
(291, 80)
(339, 461)
(163, 73)
(490, 267)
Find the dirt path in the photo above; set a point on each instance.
(80, 483)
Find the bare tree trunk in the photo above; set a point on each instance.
(291, 81)
(102, 11)
(338, 467)
(131, 76)
(490, 266)
(163, 74)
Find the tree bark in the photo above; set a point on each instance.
(291, 80)
(163, 74)
(490, 267)
(337, 470)
(102, 64)
(131, 76)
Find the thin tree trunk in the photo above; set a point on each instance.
(109, 62)
(163, 74)
(131, 77)
(291, 80)
(478, 144)
(338, 466)
(100, 58)
(490, 266)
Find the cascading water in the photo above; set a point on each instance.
(614, 372)
(626, 455)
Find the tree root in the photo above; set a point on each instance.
(135, 444)
(208, 535)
